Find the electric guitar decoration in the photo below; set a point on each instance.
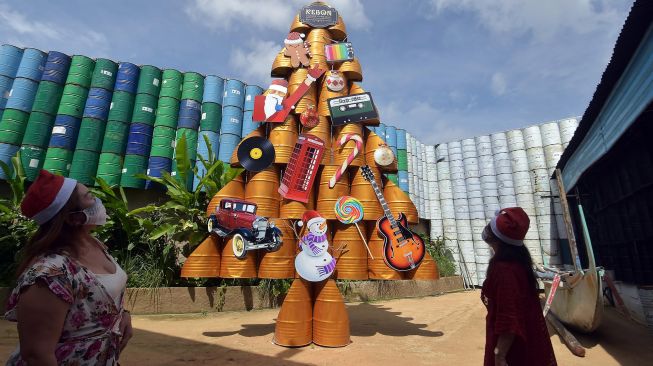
(402, 249)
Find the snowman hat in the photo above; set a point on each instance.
(47, 196)
(294, 38)
(510, 225)
(310, 217)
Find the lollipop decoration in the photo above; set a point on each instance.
(349, 210)
(343, 168)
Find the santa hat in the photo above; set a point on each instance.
(46, 196)
(310, 217)
(294, 38)
(279, 85)
(510, 225)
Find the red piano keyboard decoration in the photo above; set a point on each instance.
(302, 168)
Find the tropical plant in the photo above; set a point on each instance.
(442, 255)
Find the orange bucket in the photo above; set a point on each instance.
(352, 69)
(298, 77)
(338, 31)
(291, 209)
(298, 26)
(294, 326)
(232, 267)
(399, 201)
(356, 89)
(204, 261)
(281, 66)
(351, 259)
(377, 269)
(283, 137)
(234, 189)
(262, 189)
(330, 318)
(327, 197)
(363, 191)
(280, 264)
(427, 270)
(341, 153)
(323, 131)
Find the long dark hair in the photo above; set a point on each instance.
(513, 253)
(52, 236)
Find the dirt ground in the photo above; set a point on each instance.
(444, 330)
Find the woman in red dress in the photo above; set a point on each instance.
(516, 333)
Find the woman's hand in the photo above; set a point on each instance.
(500, 360)
(125, 330)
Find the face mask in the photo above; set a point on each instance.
(96, 214)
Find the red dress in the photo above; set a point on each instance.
(513, 307)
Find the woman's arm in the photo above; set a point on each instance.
(503, 346)
(41, 315)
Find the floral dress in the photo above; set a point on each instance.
(90, 334)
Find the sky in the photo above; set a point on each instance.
(441, 69)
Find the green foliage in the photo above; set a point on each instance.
(274, 288)
(441, 254)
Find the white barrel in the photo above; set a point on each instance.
(469, 148)
(499, 142)
(543, 204)
(466, 236)
(483, 145)
(470, 163)
(515, 140)
(560, 225)
(536, 159)
(532, 137)
(490, 206)
(501, 156)
(457, 167)
(567, 129)
(436, 229)
(474, 189)
(503, 166)
(525, 200)
(552, 154)
(540, 180)
(467, 254)
(432, 173)
(546, 227)
(551, 134)
(477, 225)
(441, 151)
(459, 190)
(455, 149)
(422, 208)
(507, 200)
(489, 183)
(483, 252)
(448, 209)
(476, 208)
(461, 208)
(445, 190)
(522, 182)
(519, 160)
(449, 227)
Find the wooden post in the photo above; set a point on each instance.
(569, 340)
(567, 219)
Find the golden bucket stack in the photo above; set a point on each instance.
(280, 264)
(297, 78)
(338, 31)
(233, 161)
(356, 89)
(341, 153)
(294, 326)
(325, 94)
(328, 196)
(399, 202)
(291, 209)
(323, 131)
(372, 142)
(234, 189)
(351, 259)
(281, 66)
(377, 269)
(363, 191)
(262, 189)
(232, 267)
(330, 318)
(317, 39)
(205, 259)
(352, 70)
(427, 270)
(283, 137)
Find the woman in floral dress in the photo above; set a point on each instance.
(68, 302)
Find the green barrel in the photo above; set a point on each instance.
(57, 161)
(12, 126)
(149, 80)
(109, 168)
(167, 112)
(163, 140)
(73, 100)
(193, 87)
(191, 141)
(38, 130)
(402, 160)
(171, 84)
(392, 178)
(211, 117)
(189, 178)
(81, 71)
(144, 109)
(104, 74)
(48, 96)
(84, 166)
(31, 158)
(115, 137)
(134, 164)
(122, 106)
(91, 135)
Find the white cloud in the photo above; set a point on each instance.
(498, 84)
(255, 61)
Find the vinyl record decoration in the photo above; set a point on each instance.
(256, 153)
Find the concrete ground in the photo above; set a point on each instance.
(444, 330)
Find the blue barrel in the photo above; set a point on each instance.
(234, 93)
(202, 147)
(97, 103)
(401, 139)
(127, 77)
(371, 128)
(139, 140)
(9, 60)
(64, 132)
(251, 91)
(248, 124)
(21, 95)
(7, 151)
(213, 89)
(402, 177)
(228, 143)
(391, 138)
(56, 67)
(232, 120)
(156, 166)
(190, 113)
(5, 87)
(380, 131)
(32, 64)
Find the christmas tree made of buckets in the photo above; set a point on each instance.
(215, 257)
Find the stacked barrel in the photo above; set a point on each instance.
(94, 119)
(188, 121)
(251, 91)
(490, 198)
(18, 100)
(402, 160)
(232, 118)
(110, 166)
(63, 139)
(210, 123)
(391, 140)
(44, 110)
(139, 139)
(165, 125)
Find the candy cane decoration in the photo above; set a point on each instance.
(359, 146)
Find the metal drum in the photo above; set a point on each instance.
(31, 158)
(110, 168)
(104, 74)
(211, 118)
(427, 270)
(7, 151)
(57, 161)
(328, 196)
(163, 142)
(351, 259)
(56, 68)
(48, 96)
(317, 39)
(400, 202)
(294, 325)
(193, 86)
(232, 267)
(402, 144)
(376, 268)
(342, 152)
(338, 31)
(372, 142)
(64, 132)
(73, 100)
(251, 91)
(172, 84)
(10, 57)
(213, 89)
(234, 189)
(155, 168)
(91, 134)
(115, 137)
(259, 132)
(280, 264)
(12, 126)
(97, 104)
(81, 71)
(38, 130)
(296, 79)
(283, 137)
(21, 95)
(262, 189)
(362, 189)
(139, 139)
(325, 94)
(234, 93)
(352, 70)
(330, 318)
(204, 261)
(232, 120)
(248, 124)
(281, 66)
(323, 131)
(402, 176)
(391, 138)
(190, 113)
(31, 64)
(228, 143)
(292, 209)
(149, 81)
(402, 160)
(167, 112)
(127, 77)
(191, 141)
(144, 109)
(5, 88)
(133, 165)
(84, 166)
(122, 107)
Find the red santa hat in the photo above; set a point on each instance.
(279, 85)
(510, 225)
(46, 196)
(294, 38)
(310, 217)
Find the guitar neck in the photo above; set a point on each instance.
(384, 204)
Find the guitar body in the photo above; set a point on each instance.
(403, 250)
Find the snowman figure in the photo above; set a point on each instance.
(314, 263)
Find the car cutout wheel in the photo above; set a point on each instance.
(238, 245)
(209, 224)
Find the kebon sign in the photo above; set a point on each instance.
(318, 16)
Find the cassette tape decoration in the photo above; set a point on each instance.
(355, 108)
(339, 52)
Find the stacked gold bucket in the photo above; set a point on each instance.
(313, 312)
